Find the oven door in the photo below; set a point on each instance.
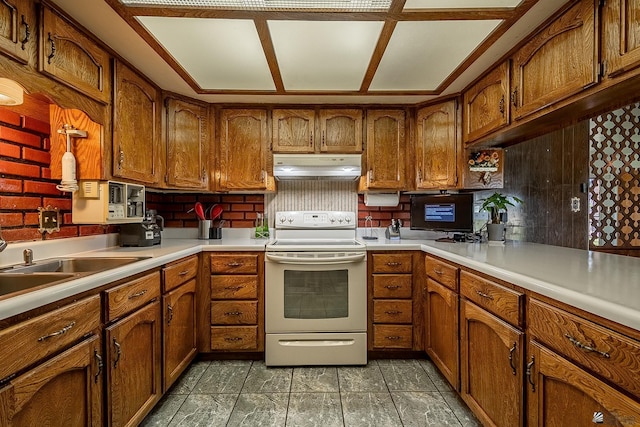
(315, 292)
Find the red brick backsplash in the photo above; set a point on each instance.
(26, 184)
(381, 215)
(239, 210)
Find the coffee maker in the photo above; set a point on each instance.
(145, 233)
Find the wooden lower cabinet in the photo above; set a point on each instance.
(66, 390)
(180, 345)
(560, 393)
(133, 365)
(492, 354)
(441, 327)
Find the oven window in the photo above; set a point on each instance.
(316, 294)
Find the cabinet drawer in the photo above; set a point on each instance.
(234, 312)
(392, 336)
(179, 272)
(234, 287)
(392, 263)
(605, 352)
(392, 286)
(499, 300)
(392, 311)
(234, 264)
(27, 342)
(130, 295)
(234, 337)
(442, 272)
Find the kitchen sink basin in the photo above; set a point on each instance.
(71, 265)
(16, 282)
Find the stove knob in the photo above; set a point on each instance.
(347, 220)
(340, 220)
(282, 219)
(332, 220)
(290, 219)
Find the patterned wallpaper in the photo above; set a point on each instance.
(614, 190)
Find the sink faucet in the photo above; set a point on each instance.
(27, 254)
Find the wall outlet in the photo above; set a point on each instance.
(575, 204)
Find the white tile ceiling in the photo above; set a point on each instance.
(416, 50)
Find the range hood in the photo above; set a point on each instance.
(337, 167)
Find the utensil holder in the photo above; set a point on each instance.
(203, 229)
(215, 233)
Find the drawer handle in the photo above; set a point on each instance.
(529, 376)
(56, 333)
(394, 264)
(393, 312)
(169, 314)
(392, 287)
(483, 295)
(586, 347)
(27, 33)
(233, 339)
(100, 365)
(138, 294)
(233, 288)
(511, 351)
(438, 272)
(118, 353)
(394, 338)
(183, 273)
(233, 313)
(234, 264)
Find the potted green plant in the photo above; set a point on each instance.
(497, 204)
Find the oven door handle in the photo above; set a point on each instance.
(346, 259)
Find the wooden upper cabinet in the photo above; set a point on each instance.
(293, 131)
(621, 36)
(385, 150)
(437, 147)
(187, 144)
(72, 58)
(486, 104)
(136, 127)
(340, 130)
(243, 149)
(560, 61)
(17, 28)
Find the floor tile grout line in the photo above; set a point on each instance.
(239, 393)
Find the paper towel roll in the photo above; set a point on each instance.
(382, 199)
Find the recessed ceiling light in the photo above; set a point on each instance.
(265, 5)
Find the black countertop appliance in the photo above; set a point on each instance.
(145, 233)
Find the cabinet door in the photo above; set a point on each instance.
(621, 35)
(558, 62)
(133, 366)
(340, 130)
(293, 131)
(561, 394)
(179, 344)
(437, 146)
(70, 57)
(491, 360)
(187, 144)
(243, 149)
(441, 323)
(486, 104)
(135, 127)
(385, 149)
(17, 28)
(63, 391)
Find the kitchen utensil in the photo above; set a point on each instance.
(368, 225)
(199, 211)
(216, 211)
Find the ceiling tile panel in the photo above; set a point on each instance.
(459, 4)
(224, 54)
(421, 55)
(323, 55)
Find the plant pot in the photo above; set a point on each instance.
(495, 232)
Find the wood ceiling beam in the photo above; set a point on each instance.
(269, 52)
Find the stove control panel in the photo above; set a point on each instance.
(315, 219)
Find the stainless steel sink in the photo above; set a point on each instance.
(72, 265)
(16, 282)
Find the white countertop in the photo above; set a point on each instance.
(603, 284)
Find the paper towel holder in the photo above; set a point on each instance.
(382, 199)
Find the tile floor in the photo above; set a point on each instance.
(385, 393)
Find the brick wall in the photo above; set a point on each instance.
(381, 216)
(238, 210)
